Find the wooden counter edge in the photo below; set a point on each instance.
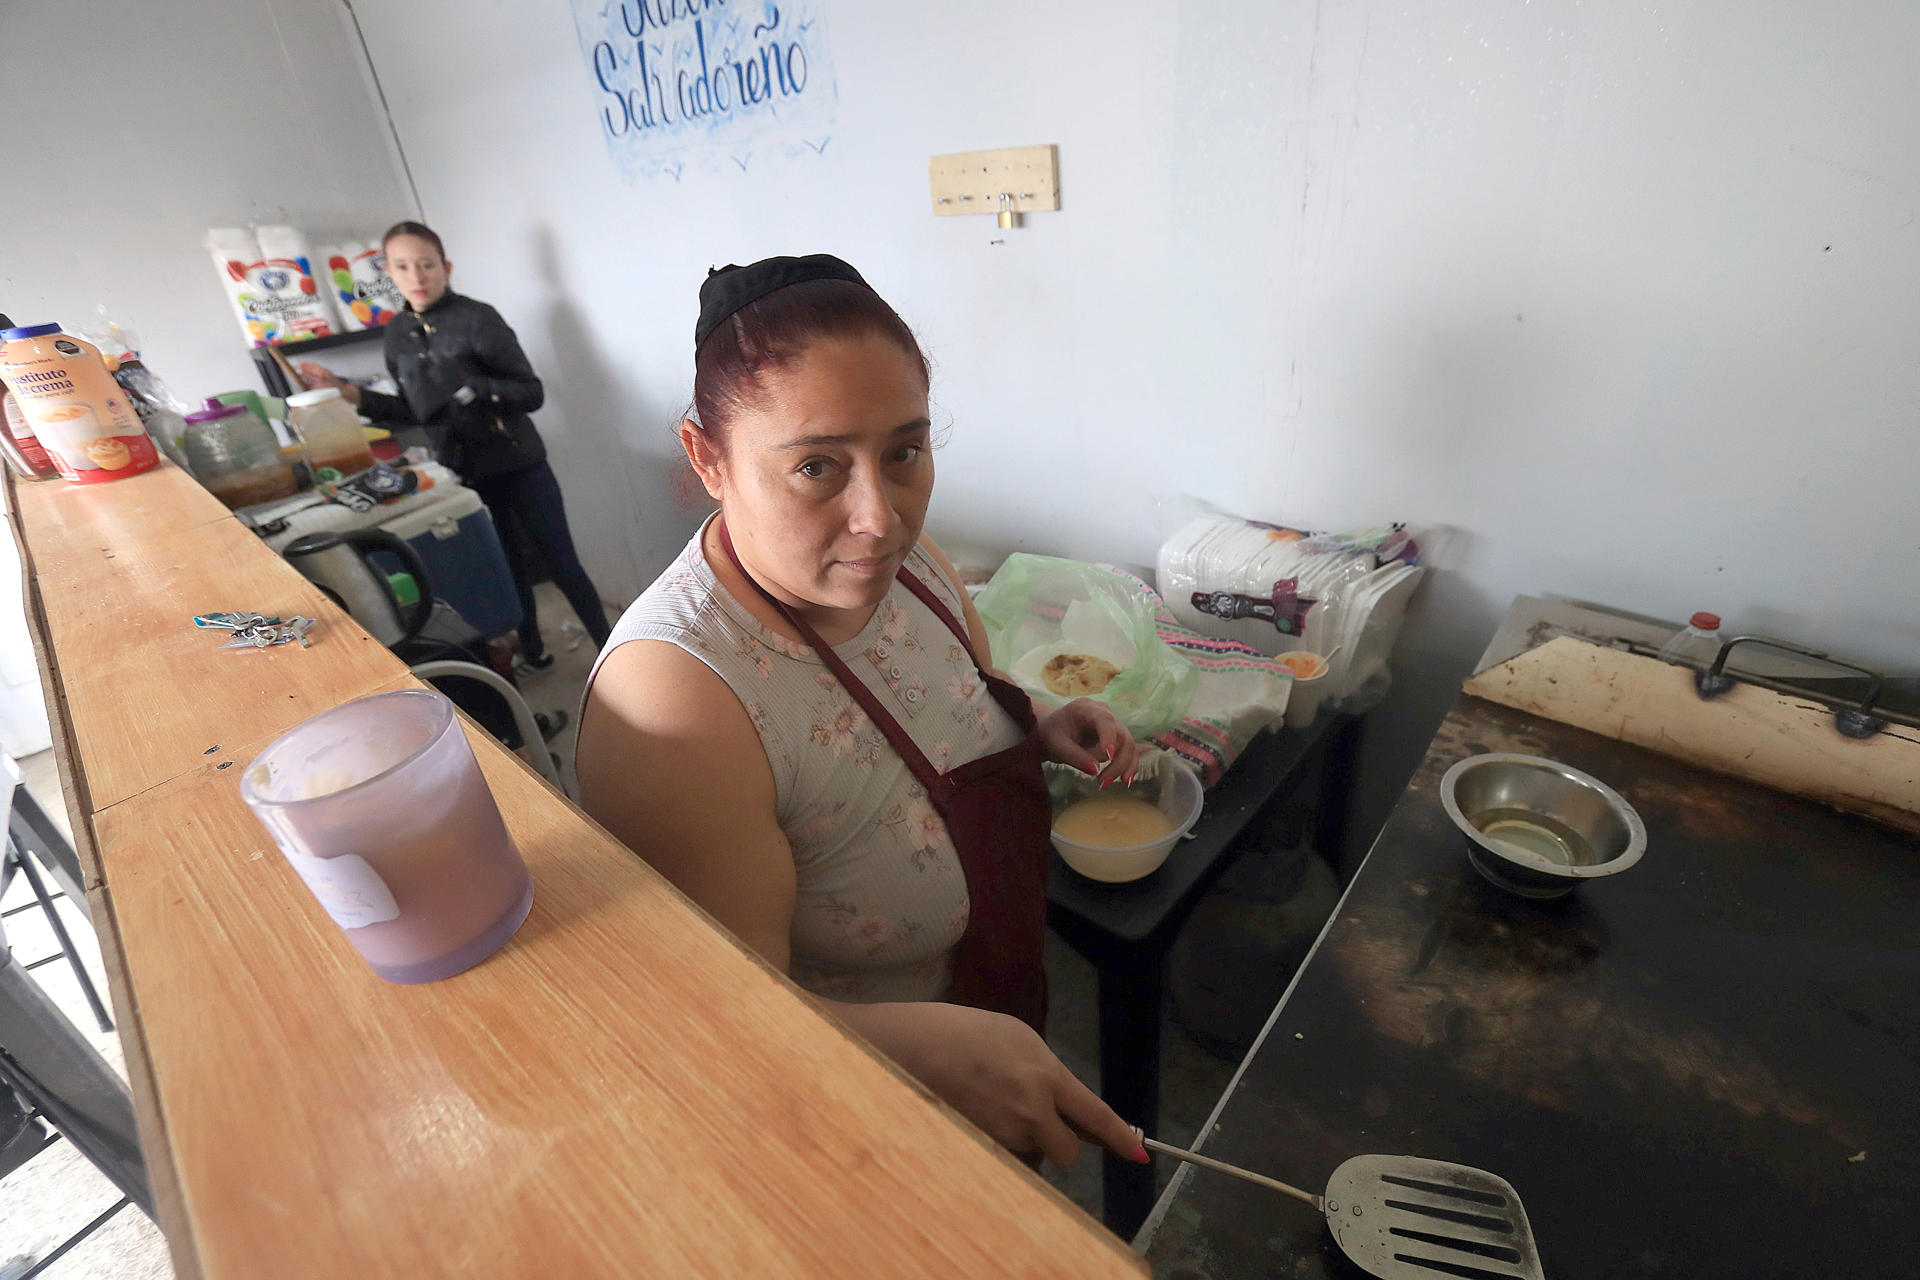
(162, 1176)
(1094, 1227)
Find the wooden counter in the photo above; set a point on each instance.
(623, 1090)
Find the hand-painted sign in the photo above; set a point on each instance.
(706, 81)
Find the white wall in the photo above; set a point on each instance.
(1626, 295)
(134, 127)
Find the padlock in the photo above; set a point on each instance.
(1009, 216)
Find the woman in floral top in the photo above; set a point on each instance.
(794, 723)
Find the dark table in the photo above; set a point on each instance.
(1706, 1067)
(1126, 930)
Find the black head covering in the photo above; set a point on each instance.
(727, 289)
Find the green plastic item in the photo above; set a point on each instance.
(405, 590)
(248, 399)
(265, 408)
(1039, 607)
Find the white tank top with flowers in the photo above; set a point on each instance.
(881, 901)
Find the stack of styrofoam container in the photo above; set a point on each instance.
(1359, 601)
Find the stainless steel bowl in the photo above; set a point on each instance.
(1537, 827)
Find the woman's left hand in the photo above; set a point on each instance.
(1088, 736)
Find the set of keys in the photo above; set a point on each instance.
(257, 631)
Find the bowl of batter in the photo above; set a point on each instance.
(1125, 833)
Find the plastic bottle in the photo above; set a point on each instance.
(1697, 645)
(22, 451)
(24, 454)
(16, 437)
(153, 403)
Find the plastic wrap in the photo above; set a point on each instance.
(268, 273)
(1039, 608)
(161, 412)
(356, 272)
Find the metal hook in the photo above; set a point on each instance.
(1857, 721)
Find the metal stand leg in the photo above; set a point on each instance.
(55, 1070)
(34, 832)
(75, 1239)
(1338, 764)
(25, 863)
(1130, 1078)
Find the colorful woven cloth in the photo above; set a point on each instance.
(1242, 691)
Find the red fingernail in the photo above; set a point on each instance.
(1140, 1155)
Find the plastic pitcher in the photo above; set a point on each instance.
(381, 808)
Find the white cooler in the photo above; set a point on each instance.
(448, 528)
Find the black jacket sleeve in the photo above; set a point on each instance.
(377, 406)
(505, 381)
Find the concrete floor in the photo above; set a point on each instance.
(1191, 1077)
(59, 1191)
(561, 686)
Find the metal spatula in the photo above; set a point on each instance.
(1405, 1218)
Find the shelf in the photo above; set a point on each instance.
(331, 341)
(276, 382)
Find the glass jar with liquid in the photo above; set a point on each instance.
(233, 453)
(330, 430)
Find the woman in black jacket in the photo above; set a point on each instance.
(464, 378)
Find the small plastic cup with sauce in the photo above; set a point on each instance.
(380, 806)
(1309, 679)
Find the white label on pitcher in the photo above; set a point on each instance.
(348, 887)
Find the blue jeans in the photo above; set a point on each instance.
(530, 517)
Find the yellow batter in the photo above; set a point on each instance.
(1112, 822)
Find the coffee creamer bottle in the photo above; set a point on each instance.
(79, 414)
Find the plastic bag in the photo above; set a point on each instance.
(365, 295)
(268, 275)
(161, 412)
(288, 286)
(1037, 608)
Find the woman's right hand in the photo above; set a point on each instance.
(318, 378)
(997, 1072)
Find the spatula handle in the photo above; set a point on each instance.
(1221, 1166)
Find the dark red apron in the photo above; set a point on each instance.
(999, 819)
